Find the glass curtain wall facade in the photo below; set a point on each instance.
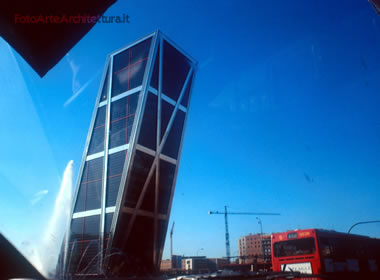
(127, 176)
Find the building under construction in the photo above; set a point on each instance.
(254, 248)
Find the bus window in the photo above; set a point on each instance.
(305, 246)
(324, 247)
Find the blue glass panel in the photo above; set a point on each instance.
(171, 147)
(139, 173)
(122, 117)
(167, 171)
(129, 67)
(115, 170)
(97, 137)
(174, 71)
(148, 131)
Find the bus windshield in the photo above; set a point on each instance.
(296, 247)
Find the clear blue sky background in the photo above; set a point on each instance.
(284, 118)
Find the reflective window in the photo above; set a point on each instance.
(113, 184)
(324, 247)
(155, 73)
(107, 229)
(115, 169)
(173, 141)
(139, 173)
(140, 253)
(97, 137)
(148, 131)
(186, 95)
(161, 230)
(105, 87)
(84, 243)
(343, 248)
(123, 223)
(97, 140)
(174, 71)
(149, 197)
(167, 171)
(91, 186)
(166, 112)
(140, 51)
(122, 117)
(296, 247)
(129, 67)
(107, 225)
(77, 229)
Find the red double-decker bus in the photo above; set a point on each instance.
(322, 252)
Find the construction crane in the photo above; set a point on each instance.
(226, 213)
(171, 242)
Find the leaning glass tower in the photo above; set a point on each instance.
(129, 167)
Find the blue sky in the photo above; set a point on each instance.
(284, 118)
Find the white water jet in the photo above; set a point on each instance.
(51, 242)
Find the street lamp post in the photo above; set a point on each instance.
(261, 224)
(261, 237)
(360, 223)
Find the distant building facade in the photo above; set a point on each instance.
(267, 249)
(201, 264)
(175, 263)
(166, 265)
(219, 262)
(127, 177)
(254, 248)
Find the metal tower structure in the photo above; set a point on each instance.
(226, 213)
(127, 177)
